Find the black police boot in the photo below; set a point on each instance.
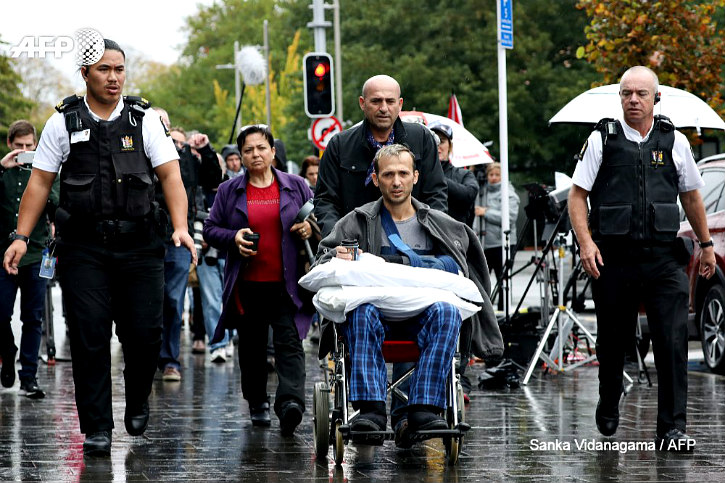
(7, 373)
(607, 418)
(290, 416)
(259, 414)
(136, 419)
(98, 444)
(675, 440)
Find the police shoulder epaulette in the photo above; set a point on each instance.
(664, 123)
(68, 102)
(138, 101)
(603, 123)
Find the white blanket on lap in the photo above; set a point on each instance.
(398, 291)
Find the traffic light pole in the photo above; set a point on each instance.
(338, 58)
(318, 25)
(268, 96)
(237, 79)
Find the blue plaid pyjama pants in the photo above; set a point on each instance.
(436, 335)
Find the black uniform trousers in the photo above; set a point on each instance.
(651, 276)
(118, 280)
(268, 304)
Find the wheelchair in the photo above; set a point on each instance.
(331, 424)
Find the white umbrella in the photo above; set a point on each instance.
(683, 108)
(467, 150)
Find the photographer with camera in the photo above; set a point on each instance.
(198, 163)
(14, 175)
(210, 271)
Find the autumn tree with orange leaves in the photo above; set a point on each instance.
(678, 39)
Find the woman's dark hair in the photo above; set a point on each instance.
(307, 162)
(252, 129)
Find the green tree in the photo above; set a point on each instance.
(678, 39)
(433, 48)
(43, 83)
(199, 96)
(13, 105)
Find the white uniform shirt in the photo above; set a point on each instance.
(54, 146)
(688, 175)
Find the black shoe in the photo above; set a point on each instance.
(402, 435)
(675, 440)
(260, 414)
(290, 415)
(366, 422)
(98, 444)
(30, 389)
(7, 373)
(136, 420)
(425, 420)
(607, 419)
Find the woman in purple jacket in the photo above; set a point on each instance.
(260, 278)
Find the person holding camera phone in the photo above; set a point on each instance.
(253, 221)
(14, 175)
(199, 166)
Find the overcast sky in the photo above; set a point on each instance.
(153, 27)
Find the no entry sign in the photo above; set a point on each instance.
(323, 129)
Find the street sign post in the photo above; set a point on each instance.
(505, 41)
(323, 129)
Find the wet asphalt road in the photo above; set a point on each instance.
(200, 431)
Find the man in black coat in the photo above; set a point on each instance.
(345, 174)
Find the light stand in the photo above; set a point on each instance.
(565, 320)
(505, 274)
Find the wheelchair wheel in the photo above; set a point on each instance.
(321, 426)
(453, 445)
(338, 444)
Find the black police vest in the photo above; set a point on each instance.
(109, 176)
(634, 197)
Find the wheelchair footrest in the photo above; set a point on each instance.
(375, 438)
(456, 432)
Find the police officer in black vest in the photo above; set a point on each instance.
(632, 171)
(110, 244)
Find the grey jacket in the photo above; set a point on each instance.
(480, 334)
(492, 202)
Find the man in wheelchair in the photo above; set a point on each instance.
(403, 230)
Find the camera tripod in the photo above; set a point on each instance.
(565, 321)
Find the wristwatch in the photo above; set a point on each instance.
(706, 244)
(15, 236)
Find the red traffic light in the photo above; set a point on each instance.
(321, 69)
